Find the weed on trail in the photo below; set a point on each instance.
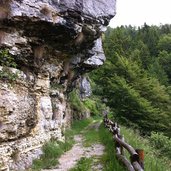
(51, 152)
(91, 134)
(84, 164)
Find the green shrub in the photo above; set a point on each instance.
(91, 133)
(6, 74)
(78, 126)
(75, 102)
(6, 61)
(154, 160)
(92, 106)
(51, 151)
(161, 142)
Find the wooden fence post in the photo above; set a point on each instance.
(140, 153)
(136, 162)
(122, 149)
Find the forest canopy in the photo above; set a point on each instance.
(135, 80)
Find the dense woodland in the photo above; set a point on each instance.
(135, 81)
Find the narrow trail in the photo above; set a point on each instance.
(70, 158)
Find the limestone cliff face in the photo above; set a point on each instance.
(53, 43)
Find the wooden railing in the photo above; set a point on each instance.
(136, 161)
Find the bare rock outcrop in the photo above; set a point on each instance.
(53, 43)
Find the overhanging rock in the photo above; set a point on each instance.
(53, 43)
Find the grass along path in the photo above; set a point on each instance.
(93, 149)
(85, 155)
(53, 149)
(154, 161)
(88, 154)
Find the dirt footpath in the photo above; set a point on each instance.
(69, 159)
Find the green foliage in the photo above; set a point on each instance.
(164, 43)
(91, 134)
(157, 71)
(162, 143)
(135, 78)
(108, 160)
(51, 151)
(77, 105)
(6, 61)
(78, 126)
(75, 102)
(92, 106)
(154, 160)
(150, 37)
(84, 164)
(7, 74)
(136, 98)
(164, 59)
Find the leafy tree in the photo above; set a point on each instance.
(165, 43)
(157, 71)
(134, 80)
(164, 59)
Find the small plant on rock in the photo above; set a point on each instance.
(6, 61)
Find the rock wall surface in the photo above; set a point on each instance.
(53, 43)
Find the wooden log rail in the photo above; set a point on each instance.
(136, 162)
